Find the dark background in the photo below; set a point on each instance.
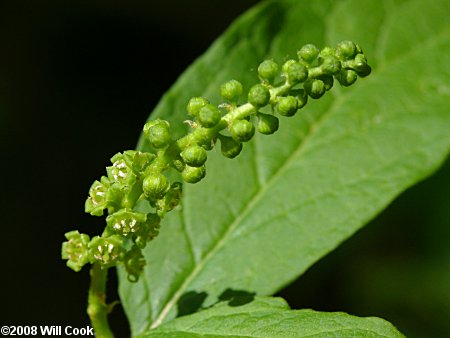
(77, 81)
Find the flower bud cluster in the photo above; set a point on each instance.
(130, 180)
(137, 181)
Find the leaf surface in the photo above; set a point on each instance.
(271, 317)
(257, 222)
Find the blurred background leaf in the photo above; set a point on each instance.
(398, 266)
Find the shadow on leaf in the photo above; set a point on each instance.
(236, 297)
(192, 301)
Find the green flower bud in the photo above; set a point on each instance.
(171, 199)
(229, 147)
(195, 104)
(294, 71)
(327, 80)
(97, 200)
(106, 251)
(267, 70)
(315, 88)
(365, 71)
(207, 145)
(302, 98)
(231, 90)
(360, 60)
(308, 53)
(134, 263)
(358, 49)
(155, 186)
(331, 65)
(287, 106)
(178, 165)
(193, 174)
(75, 250)
(157, 133)
(209, 116)
(325, 53)
(360, 65)
(286, 65)
(347, 77)
(267, 124)
(259, 95)
(194, 155)
(242, 130)
(125, 222)
(346, 50)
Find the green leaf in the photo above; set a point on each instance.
(271, 317)
(257, 222)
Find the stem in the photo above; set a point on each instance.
(240, 112)
(97, 307)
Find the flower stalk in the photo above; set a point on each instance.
(97, 308)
